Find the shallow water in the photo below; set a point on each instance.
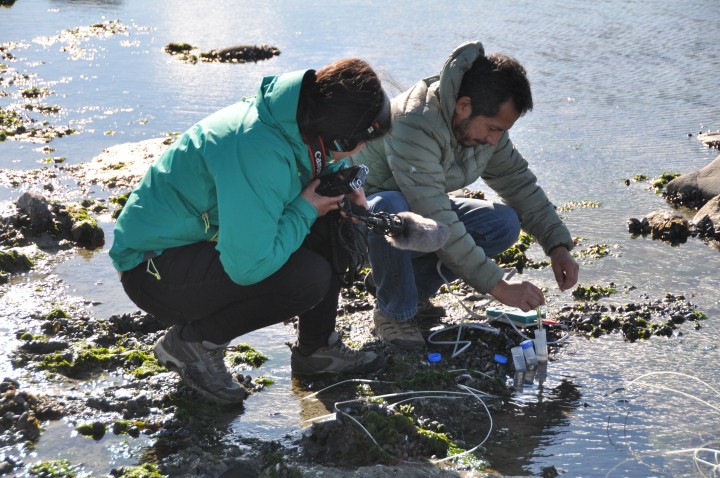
(618, 86)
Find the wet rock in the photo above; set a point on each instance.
(22, 412)
(37, 220)
(707, 219)
(14, 261)
(35, 212)
(241, 53)
(636, 321)
(711, 139)
(668, 226)
(695, 189)
(86, 233)
(232, 54)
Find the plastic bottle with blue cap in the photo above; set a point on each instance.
(500, 364)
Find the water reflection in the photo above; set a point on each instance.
(520, 430)
(99, 3)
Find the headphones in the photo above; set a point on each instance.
(378, 126)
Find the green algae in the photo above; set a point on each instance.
(56, 314)
(13, 262)
(35, 92)
(96, 430)
(244, 354)
(87, 360)
(593, 292)
(569, 206)
(53, 469)
(146, 470)
(664, 178)
(143, 363)
(11, 123)
(264, 381)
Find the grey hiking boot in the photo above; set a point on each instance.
(401, 333)
(425, 309)
(201, 366)
(335, 357)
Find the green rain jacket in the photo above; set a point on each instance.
(234, 177)
(421, 158)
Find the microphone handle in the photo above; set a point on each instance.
(382, 223)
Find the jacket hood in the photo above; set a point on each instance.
(277, 102)
(451, 75)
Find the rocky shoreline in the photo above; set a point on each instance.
(59, 345)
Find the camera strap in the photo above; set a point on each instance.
(316, 151)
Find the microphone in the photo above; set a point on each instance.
(419, 233)
(405, 230)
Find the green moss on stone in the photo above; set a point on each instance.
(13, 262)
(243, 354)
(53, 469)
(146, 470)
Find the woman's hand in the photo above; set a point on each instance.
(323, 204)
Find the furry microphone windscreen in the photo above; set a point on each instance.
(421, 234)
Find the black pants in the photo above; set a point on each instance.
(194, 288)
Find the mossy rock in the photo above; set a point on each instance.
(13, 262)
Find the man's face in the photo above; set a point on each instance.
(481, 130)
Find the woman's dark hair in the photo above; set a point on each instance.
(343, 103)
(494, 79)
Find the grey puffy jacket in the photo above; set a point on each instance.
(422, 159)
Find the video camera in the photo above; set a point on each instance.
(404, 230)
(343, 181)
(348, 180)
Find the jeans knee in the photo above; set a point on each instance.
(391, 202)
(512, 222)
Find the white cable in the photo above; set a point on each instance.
(459, 345)
(426, 394)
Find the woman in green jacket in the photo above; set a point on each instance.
(226, 234)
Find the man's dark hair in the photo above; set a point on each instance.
(339, 100)
(494, 79)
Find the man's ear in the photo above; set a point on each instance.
(463, 107)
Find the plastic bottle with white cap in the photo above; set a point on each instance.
(520, 367)
(531, 360)
(541, 350)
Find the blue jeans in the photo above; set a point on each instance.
(404, 277)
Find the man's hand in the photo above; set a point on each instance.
(565, 268)
(523, 295)
(358, 197)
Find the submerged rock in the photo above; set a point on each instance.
(241, 53)
(232, 54)
(668, 226)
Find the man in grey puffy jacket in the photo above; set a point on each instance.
(449, 130)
